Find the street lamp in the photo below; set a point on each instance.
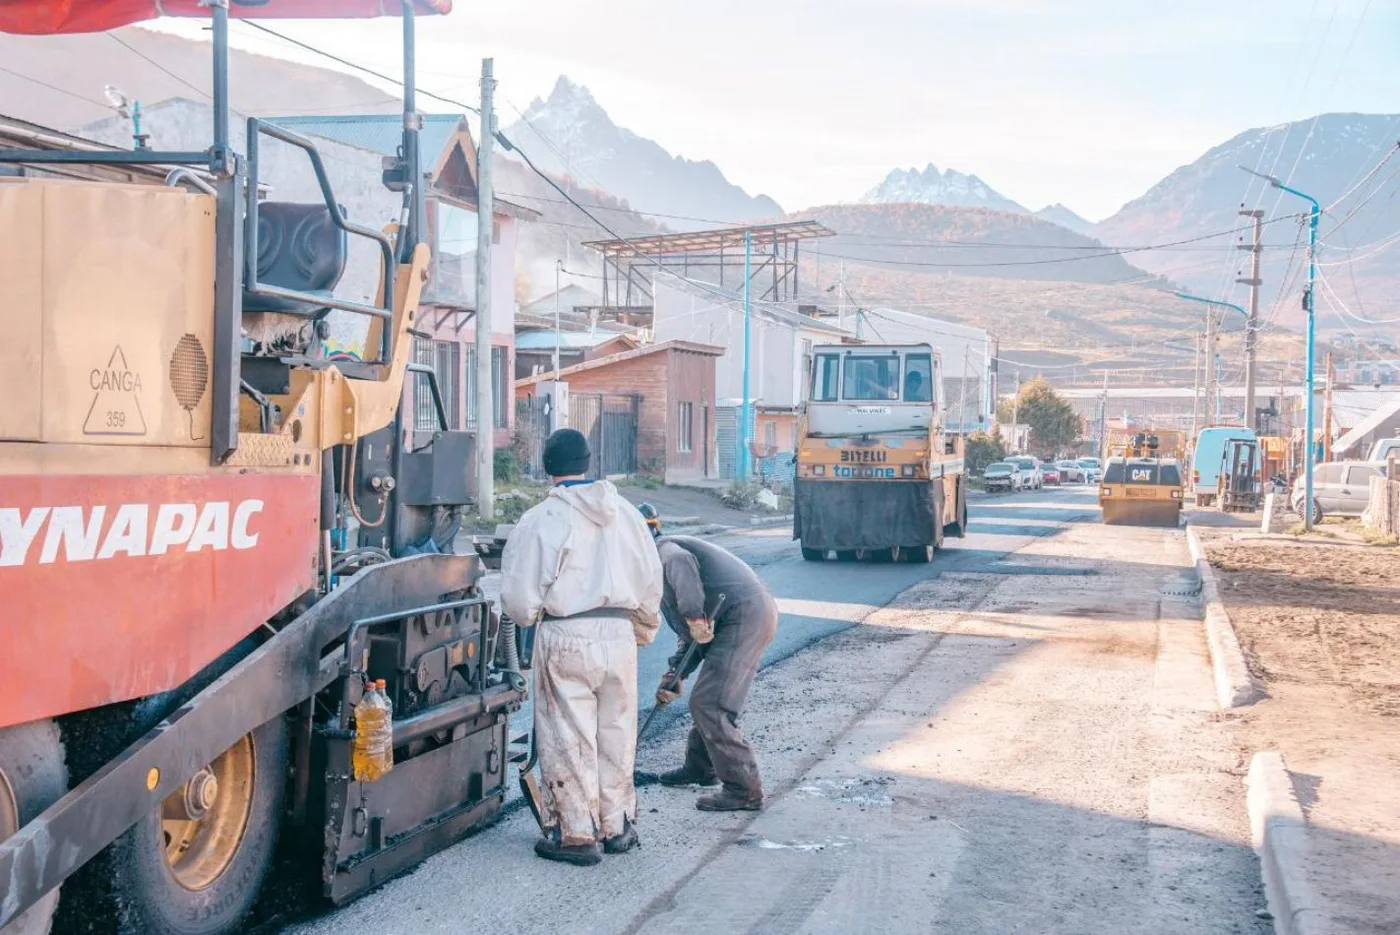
(1210, 351)
(1309, 304)
(128, 110)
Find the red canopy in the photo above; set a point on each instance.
(44, 17)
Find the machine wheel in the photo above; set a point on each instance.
(1316, 511)
(880, 556)
(32, 777)
(1204, 499)
(194, 865)
(916, 555)
(813, 555)
(958, 528)
(846, 555)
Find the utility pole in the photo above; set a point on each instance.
(485, 222)
(1310, 306)
(1015, 415)
(558, 267)
(743, 459)
(1256, 248)
(1327, 412)
(841, 296)
(1196, 388)
(1212, 387)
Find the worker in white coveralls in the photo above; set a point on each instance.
(582, 567)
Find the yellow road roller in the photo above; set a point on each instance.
(1140, 491)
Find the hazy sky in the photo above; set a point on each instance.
(813, 101)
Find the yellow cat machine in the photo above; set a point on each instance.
(877, 476)
(1140, 489)
(209, 548)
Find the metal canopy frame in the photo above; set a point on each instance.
(235, 221)
(628, 262)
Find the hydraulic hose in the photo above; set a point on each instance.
(512, 666)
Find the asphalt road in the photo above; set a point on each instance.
(819, 599)
(824, 720)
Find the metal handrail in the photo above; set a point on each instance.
(257, 128)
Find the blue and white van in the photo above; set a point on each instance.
(1207, 456)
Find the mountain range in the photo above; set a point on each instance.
(1331, 158)
(571, 136)
(639, 186)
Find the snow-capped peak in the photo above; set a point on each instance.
(949, 187)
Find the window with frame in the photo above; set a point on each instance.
(685, 427)
(770, 434)
(826, 378)
(918, 378)
(870, 377)
(501, 401)
(444, 357)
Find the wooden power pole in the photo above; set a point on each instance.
(1250, 333)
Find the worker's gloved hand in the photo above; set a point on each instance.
(670, 689)
(702, 629)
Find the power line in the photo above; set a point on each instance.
(135, 51)
(53, 87)
(358, 67)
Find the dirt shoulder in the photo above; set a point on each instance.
(1319, 623)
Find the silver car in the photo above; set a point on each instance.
(1340, 488)
(1071, 472)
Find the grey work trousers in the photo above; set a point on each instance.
(716, 747)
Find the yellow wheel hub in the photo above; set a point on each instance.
(205, 819)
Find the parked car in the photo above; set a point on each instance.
(1340, 488)
(999, 476)
(1050, 473)
(1071, 472)
(1093, 471)
(1384, 448)
(1030, 468)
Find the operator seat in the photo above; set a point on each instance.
(299, 247)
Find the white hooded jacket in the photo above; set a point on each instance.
(584, 548)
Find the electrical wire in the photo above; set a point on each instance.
(53, 87)
(358, 67)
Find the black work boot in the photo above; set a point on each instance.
(729, 800)
(677, 778)
(580, 855)
(624, 842)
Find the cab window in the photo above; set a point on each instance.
(918, 379)
(825, 379)
(871, 378)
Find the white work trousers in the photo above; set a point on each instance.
(586, 724)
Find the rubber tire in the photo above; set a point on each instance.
(880, 556)
(31, 756)
(148, 898)
(958, 528)
(813, 555)
(846, 555)
(1316, 519)
(916, 555)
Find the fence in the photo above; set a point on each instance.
(608, 420)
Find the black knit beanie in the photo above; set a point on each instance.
(565, 453)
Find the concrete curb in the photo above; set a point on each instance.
(1281, 839)
(1234, 685)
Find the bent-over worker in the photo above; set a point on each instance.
(732, 638)
(581, 565)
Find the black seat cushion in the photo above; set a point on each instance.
(299, 247)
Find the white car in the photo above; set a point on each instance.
(1340, 488)
(1030, 467)
(1072, 472)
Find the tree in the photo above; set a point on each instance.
(1053, 422)
(983, 449)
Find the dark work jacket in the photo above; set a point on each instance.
(696, 573)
